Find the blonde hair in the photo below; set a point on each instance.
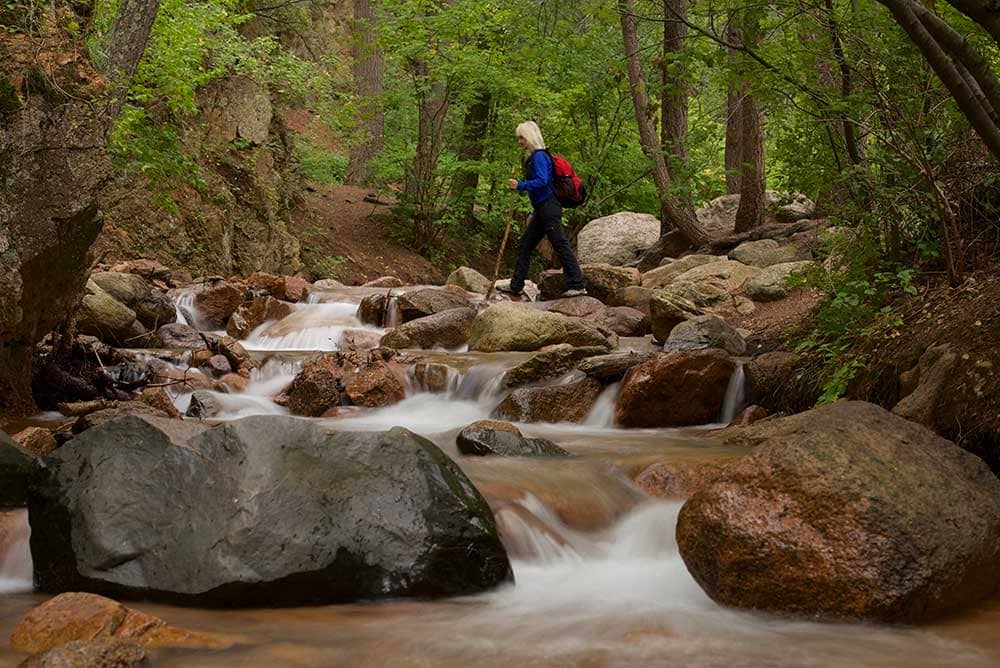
(532, 135)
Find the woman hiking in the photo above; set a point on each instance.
(546, 219)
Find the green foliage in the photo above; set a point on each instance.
(320, 165)
(326, 267)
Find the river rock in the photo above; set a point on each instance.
(158, 398)
(612, 367)
(36, 440)
(215, 300)
(675, 389)
(204, 404)
(432, 377)
(705, 331)
(287, 515)
(487, 437)
(668, 310)
(623, 321)
(428, 301)
(179, 335)
(446, 329)
(769, 375)
(666, 273)
(469, 279)
(375, 385)
(674, 479)
(318, 387)
(509, 326)
(764, 253)
(101, 653)
(574, 307)
(546, 365)
(568, 402)
(152, 307)
(105, 317)
(359, 339)
(252, 315)
(371, 310)
(602, 280)
(771, 283)
(632, 296)
(263, 283)
(218, 365)
(77, 616)
(618, 239)
(846, 512)
(16, 465)
(120, 409)
(384, 282)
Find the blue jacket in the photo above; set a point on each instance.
(539, 178)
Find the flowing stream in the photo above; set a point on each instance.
(599, 580)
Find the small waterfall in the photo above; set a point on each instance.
(311, 327)
(15, 557)
(392, 313)
(187, 314)
(735, 399)
(603, 412)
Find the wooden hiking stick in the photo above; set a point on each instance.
(506, 233)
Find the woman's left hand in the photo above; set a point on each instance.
(512, 184)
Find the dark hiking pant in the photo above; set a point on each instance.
(546, 222)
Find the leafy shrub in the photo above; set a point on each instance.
(320, 165)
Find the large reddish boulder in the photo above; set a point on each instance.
(318, 387)
(447, 329)
(846, 512)
(368, 378)
(251, 315)
(569, 402)
(675, 389)
(215, 300)
(378, 384)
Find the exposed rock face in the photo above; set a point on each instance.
(772, 283)
(239, 109)
(447, 329)
(469, 279)
(666, 273)
(288, 515)
(216, 300)
(52, 166)
(486, 437)
(428, 301)
(152, 307)
(509, 326)
(250, 316)
(78, 616)
(705, 331)
(15, 468)
(568, 402)
(765, 252)
(547, 365)
(618, 239)
(675, 389)
(846, 512)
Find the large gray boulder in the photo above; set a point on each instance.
(108, 319)
(618, 239)
(508, 326)
(15, 468)
(447, 329)
(705, 331)
(667, 272)
(428, 301)
(765, 252)
(771, 284)
(266, 510)
(469, 279)
(152, 306)
(846, 512)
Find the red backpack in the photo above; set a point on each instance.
(570, 189)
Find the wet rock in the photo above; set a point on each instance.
(749, 415)
(428, 301)
(673, 479)
(36, 440)
(118, 410)
(632, 296)
(318, 387)
(359, 339)
(232, 383)
(888, 521)
(705, 331)
(508, 326)
(668, 310)
(218, 365)
(371, 310)
(769, 375)
(432, 377)
(16, 465)
(612, 367)
(772, 283)
(215, 300)
(447, 329)
(469, 279)
(102, 653)
(568, 402)
(288, 515)
(268, 284)
(675, 389)
(105, 317)
(618, 239)
(574, 307)
(384, 282)
(249, 317)
(548, 365)
(152, 307)
(378, 384)
(177, 335)
(204, 404)
(158, 398)
(765, 252)
(239, 359)
(624, 321)
(666, 273)
(296, 289)
(487, 437)
(77, 616)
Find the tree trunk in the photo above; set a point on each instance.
(948, 73)
(674, 102)
(674, 214)
(734, 137)
(983, 12)
(420, 194)
(750, 213)
(847, 129)
(125, 44)
(367, 70)
(474, 133)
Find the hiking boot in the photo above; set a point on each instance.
(574, 292)
(507, 291)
